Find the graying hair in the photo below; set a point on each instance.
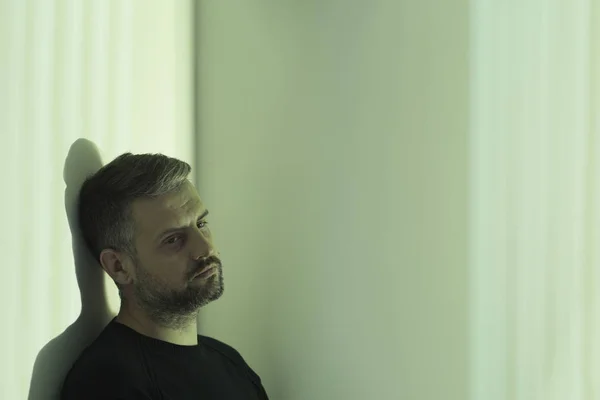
(104, 212)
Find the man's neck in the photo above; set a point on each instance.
(135, 318)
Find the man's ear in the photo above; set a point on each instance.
(117, 265)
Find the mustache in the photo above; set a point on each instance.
(212, 260)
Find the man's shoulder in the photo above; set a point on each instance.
(101, 354)
(106, 364)
(108, 349)
(230, 353)
(220, 347)
(96, 377)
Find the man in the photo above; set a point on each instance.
(146, 225)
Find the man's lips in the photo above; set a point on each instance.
(206, 270)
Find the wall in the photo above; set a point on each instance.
(332, 153)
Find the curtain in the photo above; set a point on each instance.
(535, 200)
(116, 73)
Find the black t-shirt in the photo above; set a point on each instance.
(122, 364)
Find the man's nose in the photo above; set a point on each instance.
(201, 246)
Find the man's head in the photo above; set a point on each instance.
(143, 220)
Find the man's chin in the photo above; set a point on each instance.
(216, 290)
(209, 288)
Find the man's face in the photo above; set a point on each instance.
(174, 245)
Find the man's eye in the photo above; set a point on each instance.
(173, 240)
(202, 224)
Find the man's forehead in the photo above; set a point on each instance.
(165, 210)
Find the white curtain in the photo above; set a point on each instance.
(535, 200)
(117, 73)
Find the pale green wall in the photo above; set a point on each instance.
(332, 153)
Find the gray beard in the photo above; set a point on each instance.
(171, 308)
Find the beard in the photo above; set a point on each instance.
(176, 308)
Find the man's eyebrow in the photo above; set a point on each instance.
(171, 230)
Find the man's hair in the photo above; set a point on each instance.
(104, 211)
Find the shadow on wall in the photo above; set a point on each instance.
(55, 359)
